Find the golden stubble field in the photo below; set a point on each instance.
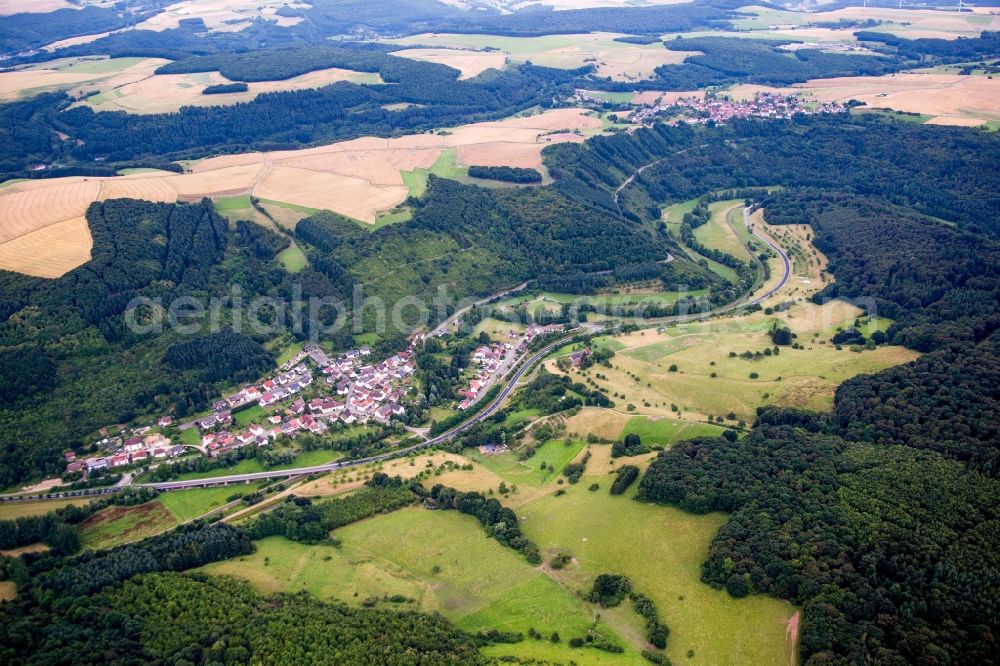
(223, 15)
(77, 76)
(944, 23)
(952, 99)
(469, 62)
(167, 93)
(618, 60)
(42, 231)
(132, 85)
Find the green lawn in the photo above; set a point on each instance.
(245, 417)
(520, 416)
(14, 510)
(131, 171)
(616, 97)
(186, 505)
(296, 207)
(311, 458)
(247, 466)
(661, 550)
(102, 66)
(289, 352)
(190, 436)
(228, 204)
(555, 455)
(718, 235)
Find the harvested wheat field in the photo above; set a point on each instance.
(956, 121)
(166, 93)
(951, 95)
(50, 251)
(469, 63)
(8, 7)
(561, 5)
(78, 76)
(347, 195)
(24, 208)
(357, 178)
(920, 23)
(619, 60)
(222, 15)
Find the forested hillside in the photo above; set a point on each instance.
(71, 332)
(945, 173)
(474, 241)
(880, 520)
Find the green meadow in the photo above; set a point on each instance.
(554, 454)
(432, 561)
(717, 233)
(661, 550)
(187, 505)
(293, 259)
(665, 431)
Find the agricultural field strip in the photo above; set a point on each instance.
(357, 178)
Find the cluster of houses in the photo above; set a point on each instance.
(721, 109)
(137, 447)
(488, 359)
(353, 392)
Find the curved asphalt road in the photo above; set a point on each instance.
(447, 436)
